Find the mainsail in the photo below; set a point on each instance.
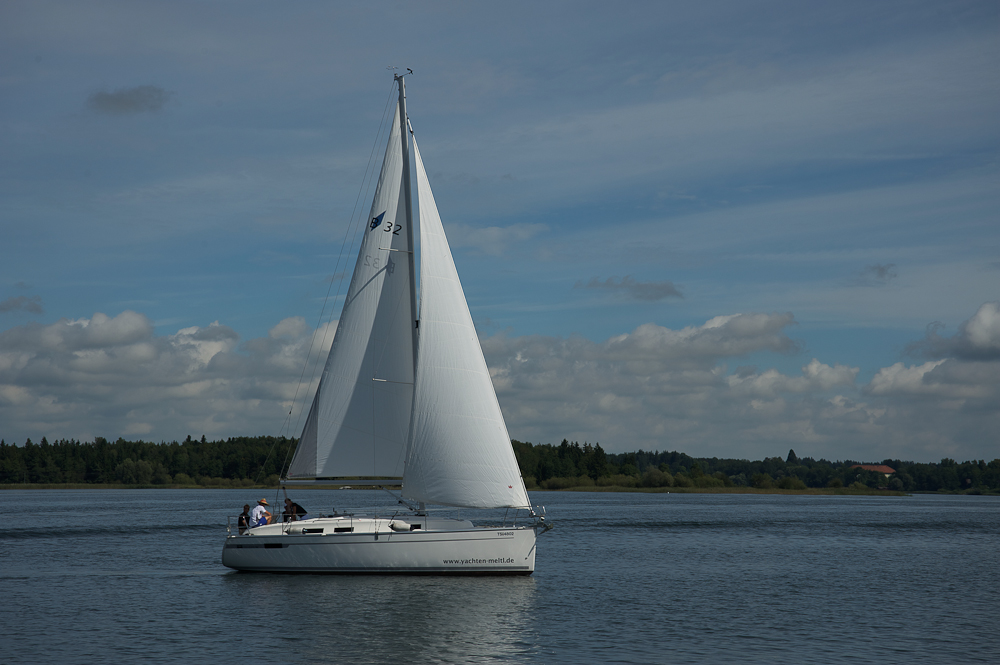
(459, 452)
(357, 425)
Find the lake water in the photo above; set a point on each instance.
(98, 576)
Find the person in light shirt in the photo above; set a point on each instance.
(260, 516)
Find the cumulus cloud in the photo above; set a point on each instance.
(816, 377)
(720, 337)
(641, 389)
(941, 408)
(76, 335)
(652, 388)
(949, 404)
(657, 388)
(978, 338)
(902, 379)
(113, 376)
(31, 304)
(127, 101)
(633, 289)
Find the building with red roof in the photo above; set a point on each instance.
(878, 468)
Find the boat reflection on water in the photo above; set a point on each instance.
(368, 618)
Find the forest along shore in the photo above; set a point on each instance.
(248, 462)
(818, 491)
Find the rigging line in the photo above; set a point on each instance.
(353, 224)
(260, 471)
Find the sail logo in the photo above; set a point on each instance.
(376, 221)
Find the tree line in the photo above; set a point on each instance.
(571, 465)
(233, 462)
(249, 461)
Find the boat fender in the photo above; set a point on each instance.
(397, 525)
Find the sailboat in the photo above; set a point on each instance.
(404, 395)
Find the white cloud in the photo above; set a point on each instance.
(203, 344)
(74, 335)
(950, 383)
(290, 328)
(653, 388)
(112, 377)
(719, 337)
(983, 329)
(657, 388)
(978, 338)
(902, 379)
(643, 389)
(816, 377)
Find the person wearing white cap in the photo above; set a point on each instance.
(259, 515)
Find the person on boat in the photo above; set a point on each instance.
(260, 515)
(244, 519)
(292, 511)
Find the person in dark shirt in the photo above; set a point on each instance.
(292, 511)
(244, 519)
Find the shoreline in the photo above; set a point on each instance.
(810, 491)
(814, 491)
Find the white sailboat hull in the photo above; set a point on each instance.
(438, 547)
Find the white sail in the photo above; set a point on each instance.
(357, 425)
(459, 452)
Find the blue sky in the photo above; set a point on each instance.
(726, 228)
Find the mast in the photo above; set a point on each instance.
(404, 137)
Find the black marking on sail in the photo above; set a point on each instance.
(376, 220)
